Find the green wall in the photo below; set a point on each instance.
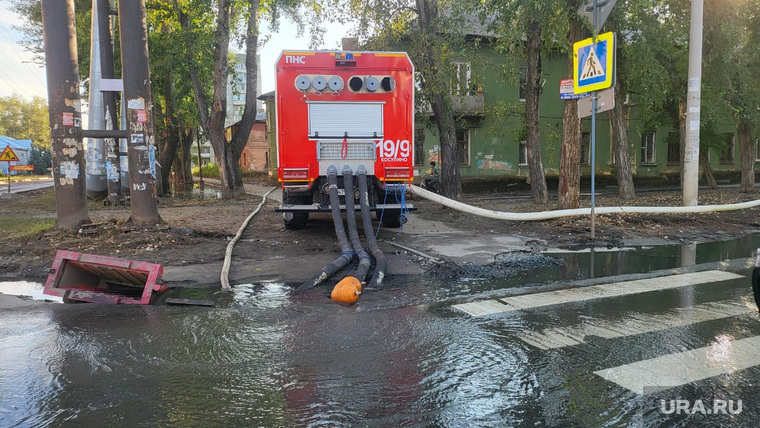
(495, 136)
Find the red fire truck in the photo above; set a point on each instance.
(348, 110)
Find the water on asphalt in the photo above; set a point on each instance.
(401, 357)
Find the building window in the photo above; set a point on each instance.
(674, 148)
(419, 147)
(463, 147)
(523, 156)
(647, 148)
(523, 82)
(239, 83)
(727, 157)
(462, 78)
(586, 148)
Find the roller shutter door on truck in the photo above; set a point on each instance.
(359, 123)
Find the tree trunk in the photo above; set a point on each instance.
(451, 186)
(705, 164)
(626, 191)
(227, 153)
(532, 97)
(748, 156)
(682, 138)
(183, 177)
(434, 80)
(169, 140)
(569, 166)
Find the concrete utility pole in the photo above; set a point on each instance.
(139, 112)
(109, 100)
(65, 113)
(95, 154)
(693, 103)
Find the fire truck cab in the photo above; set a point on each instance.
(349, 110)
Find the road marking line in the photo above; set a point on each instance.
(669, 371)
(547, 339)
(602, 291)
(483, 307)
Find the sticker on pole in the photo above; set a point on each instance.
(8, 155)
(593, 63)
(566, 90)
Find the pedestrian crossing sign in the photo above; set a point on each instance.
(8, 155)
(594, 63)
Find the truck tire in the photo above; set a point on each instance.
(295, 220)
(391, 218)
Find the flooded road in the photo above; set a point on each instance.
(405, 355)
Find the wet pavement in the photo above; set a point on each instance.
(677, 330)
(25, 185)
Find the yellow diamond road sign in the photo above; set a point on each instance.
(593, 63)
(8, 155)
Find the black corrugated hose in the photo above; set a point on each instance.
(364, 260)
(347, 254)
(381, 262)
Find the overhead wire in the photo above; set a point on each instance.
(17, 70)
(6, 34)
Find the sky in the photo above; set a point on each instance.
(18, 75)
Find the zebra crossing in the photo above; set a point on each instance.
(615, 289)
(724, 355)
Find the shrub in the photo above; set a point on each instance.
(210, 170)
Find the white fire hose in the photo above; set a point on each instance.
(224, 278)
(547, 215)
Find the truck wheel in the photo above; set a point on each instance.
(391, 218)
(295, 220)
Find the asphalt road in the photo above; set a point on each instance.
(676, 346)
(19, 186)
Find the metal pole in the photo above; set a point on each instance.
(693, 102)
(137, 96)
(97, 187)
(109, 101)
(65, 113)
(593, 139)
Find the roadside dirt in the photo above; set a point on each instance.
(192, 242)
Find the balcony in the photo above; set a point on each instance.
(465, 105)
(469, 105)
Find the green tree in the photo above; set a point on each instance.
(569, 166)
(176, 113)
(731, 73)
(42, 160)
(25, 120)
(626, 20)
(231, 19)
(540, 25)
(195, 20)
(177, 118)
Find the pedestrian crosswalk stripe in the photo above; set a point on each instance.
(569, 336)
(669, 371)
(571, 295)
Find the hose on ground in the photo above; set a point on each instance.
(228, 254)
(347, 253)
(364, 260)
(381, 263)
(548, 215)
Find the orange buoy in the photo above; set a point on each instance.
(347, 290)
